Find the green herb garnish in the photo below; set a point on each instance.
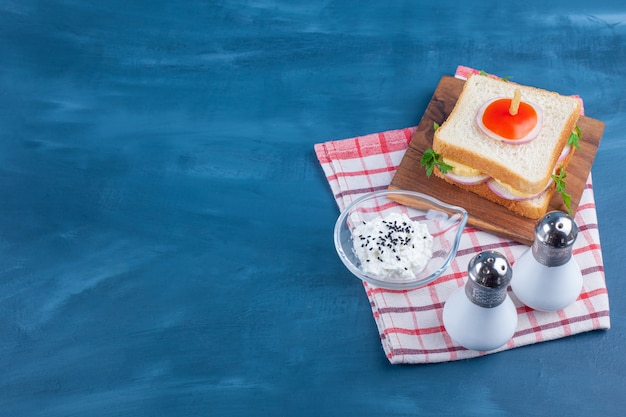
(505, 79)
(574, 137)
(430, 159)
(559, 180)
(435, 126)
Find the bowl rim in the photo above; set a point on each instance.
(399, 285)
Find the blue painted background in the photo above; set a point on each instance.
(166, 230)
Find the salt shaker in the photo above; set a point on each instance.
(547, 278)
(481, 315)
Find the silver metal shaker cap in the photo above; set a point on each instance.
(555, 234)
(489, 275)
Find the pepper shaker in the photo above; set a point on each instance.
(547, 278)
(481, 315)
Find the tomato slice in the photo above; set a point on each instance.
(498, 119)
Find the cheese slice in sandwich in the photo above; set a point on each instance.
(514, 173)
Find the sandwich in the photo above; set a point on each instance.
(508, 143)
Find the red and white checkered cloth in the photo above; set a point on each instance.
(410, 322)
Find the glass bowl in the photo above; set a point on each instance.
(444, 222)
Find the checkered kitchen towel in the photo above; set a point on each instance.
(409, 322)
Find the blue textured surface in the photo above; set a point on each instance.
(166, 231)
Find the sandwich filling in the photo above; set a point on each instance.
(466, 175)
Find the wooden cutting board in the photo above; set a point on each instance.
(483, 214)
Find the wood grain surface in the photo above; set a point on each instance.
(484, 214)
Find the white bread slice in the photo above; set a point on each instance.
(524, 167)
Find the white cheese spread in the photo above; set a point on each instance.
(393, 247)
